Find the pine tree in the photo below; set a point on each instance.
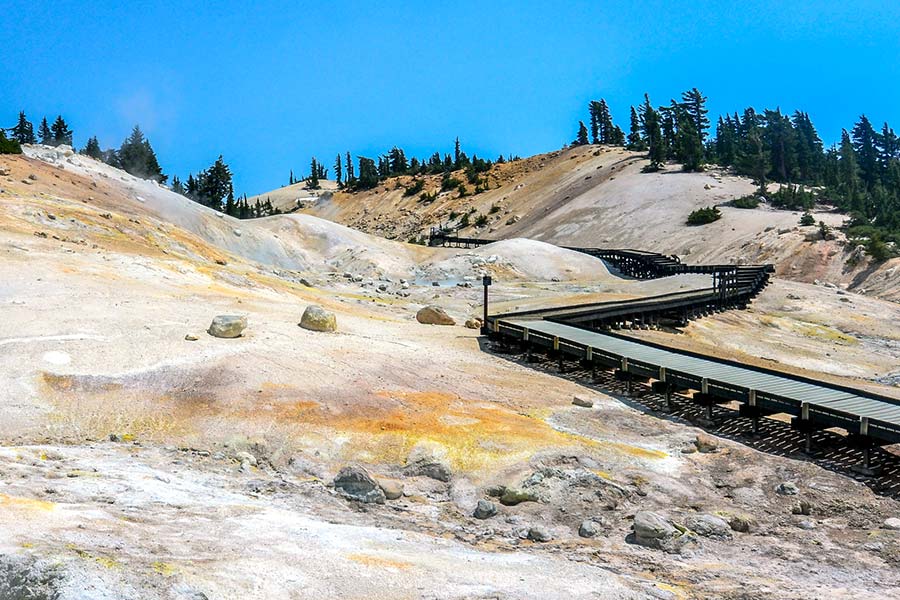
(594, 110)
(849, 183)
(291, 178)
(177, 187)
(45, 134)
(635, 140)
(338, 172)
(230, 208)
(650, 122)
(214, 184)
(137, 157)
(457, 154)
(61, 132)
(694, 103)
(313, 181)
(8, 146)
(618, 136)
(23, 132)
(350, 177)
(368, 173)
(864, 143)
(582, 138)
(92, 148)
(397, 161)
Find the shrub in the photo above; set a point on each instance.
(481, 220)
(792, 197)
(417, 186)
(494, 209)
(8, 146)
(453, 214)
(463, 191)
(427, 197)
(464, 221)
(702, 216)
(449, 183)
(807, 219)
(750, 201)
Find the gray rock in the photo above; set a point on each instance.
(434, 315)
(709, 526)
(583, 402)
(653, 530)
(495, 491)
(191, 338)
(227, 326)
(243, 457)
(538, 533)
(892, 523)
(787, 488)
(485, 509)
(422, 462)
(513, 496)
(806, 524)
(355, 483)
(316, 318)
(588, 528)
(473, 323)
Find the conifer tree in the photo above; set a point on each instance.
(45, 134)
(177, 186)
(864, 143)
(582, 138)
(351, 179)
(214, 184)
(8, 146)
(313, 181)
(635, 140)
(61, 132)
(650, 122)
(338, 172)
(368, 173)
(92, 148)
(137, 157)
(594, 110)
(23, 132)
(457, 153)
(694, 104)
(230, 208)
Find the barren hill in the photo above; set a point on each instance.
(599, 196)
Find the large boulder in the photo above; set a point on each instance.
(434, 315)
(655, 531)
(485, 509)
(426, 460)
(513, 496)
(316, 318)
(355, 483)
(709, 526)
(227, 326)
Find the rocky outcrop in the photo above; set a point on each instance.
(709, 526)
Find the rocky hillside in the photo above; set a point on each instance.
(598, 196)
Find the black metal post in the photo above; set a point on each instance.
(486, 282)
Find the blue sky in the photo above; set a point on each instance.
(270, 84)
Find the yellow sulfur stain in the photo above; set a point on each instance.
(163, 568)
(104, 561)
(376, 561)
(473, 434)
(25, 503)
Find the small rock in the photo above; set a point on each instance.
(227, 326)
(583, 402)
(739, 524)
(787, 488)
(355, 483)
(485, 509)
(802, 508)
(473, 323)
(892, 523)
(392, 489)
(245, 457)
(588, 528)
(494, 491)
(434, 315)
(305, 282)
(32, 176)
(806, 525)
(706, 443)
(114, 437)
(538, 533)
(191, 338)
(316, 318)
(236, 232)
(513, 496)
